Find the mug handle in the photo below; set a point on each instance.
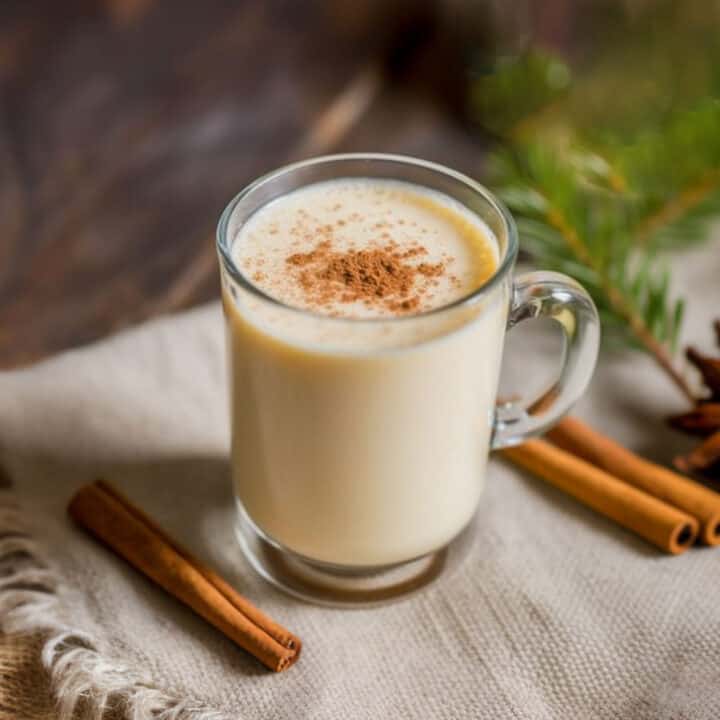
(553, 295)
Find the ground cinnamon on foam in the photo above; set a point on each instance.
(378, 277)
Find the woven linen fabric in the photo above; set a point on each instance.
(555, 613)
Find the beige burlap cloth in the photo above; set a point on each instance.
(556, 612)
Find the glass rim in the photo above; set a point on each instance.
(506, 263)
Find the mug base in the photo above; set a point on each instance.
(346, 586)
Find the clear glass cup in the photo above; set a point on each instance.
(359, 446)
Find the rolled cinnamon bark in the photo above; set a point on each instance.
(702, 503)
(124, 528)
(670, 529)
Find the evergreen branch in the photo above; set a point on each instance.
(599, 187)
(618, 301)
(677, 207)
(575, 216)
(674, 175)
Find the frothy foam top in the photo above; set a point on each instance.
(365, 248)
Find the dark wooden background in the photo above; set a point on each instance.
(126, 125)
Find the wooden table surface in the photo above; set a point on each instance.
(126, 125)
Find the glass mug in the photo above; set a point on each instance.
(359, 446)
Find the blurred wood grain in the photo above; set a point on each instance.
(126, 125)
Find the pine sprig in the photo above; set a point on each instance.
(602, 187)
(576, 216)
(674, 172)
(682, 219)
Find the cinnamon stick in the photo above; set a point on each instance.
(702, 503)
(665, 526)
(114, 520)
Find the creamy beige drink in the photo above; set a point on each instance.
(361, 418)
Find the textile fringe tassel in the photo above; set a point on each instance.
(81, 677)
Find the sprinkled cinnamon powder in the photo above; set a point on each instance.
(299, 259)
(378, 276)
(340, 249)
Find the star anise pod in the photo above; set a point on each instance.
(704, 418)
